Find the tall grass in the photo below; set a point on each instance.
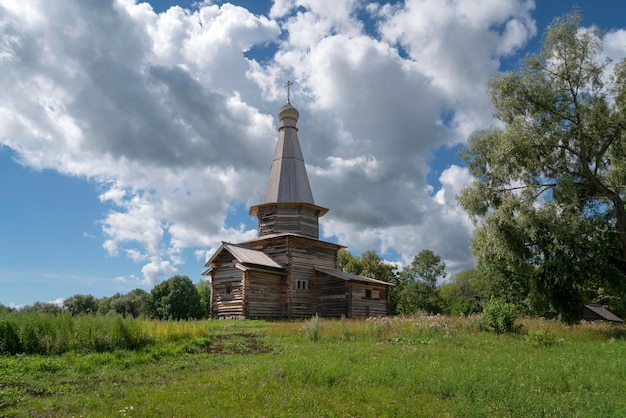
(41, 333)
(46, 333)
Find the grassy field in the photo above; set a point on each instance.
(422, 366)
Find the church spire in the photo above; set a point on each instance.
(288, 205)
(288, 180)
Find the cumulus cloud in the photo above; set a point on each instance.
(166, 114)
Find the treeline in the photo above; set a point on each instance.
(424, 287)
(176, 298)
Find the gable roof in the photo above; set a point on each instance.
(599, 313)
(245, 256)
(351, 277)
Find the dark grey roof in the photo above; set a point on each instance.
(602, 313)
(252, 267)
(350, 277)
(290, 234)
(246, 255)
(288, 180)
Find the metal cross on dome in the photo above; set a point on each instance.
(288, 85)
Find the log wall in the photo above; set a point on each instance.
(290, 218)
(225, 277)
(300, 255)
(360, 305)
(332, 296)
(265, 295)
(305, 255)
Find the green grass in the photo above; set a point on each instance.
(424, 366)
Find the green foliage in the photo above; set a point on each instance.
(499, 317)
(544, 337)
(204, 291)
(369, 264)
(460, 295)
(549, 186)
(135, 303)
(176, 298)
(46, 334)
(416, 288)
(9, 337)
(44, 307)
(416, 297)
(426, 267)
(81, 304)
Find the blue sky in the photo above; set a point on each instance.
(134, 137)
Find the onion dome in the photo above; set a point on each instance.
(288, 115)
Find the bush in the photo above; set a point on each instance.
(499, 317)
(544, 337)
(312, 328)
(9, 338)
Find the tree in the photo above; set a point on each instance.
(104, 304)
(549, 184)
(135, 303)
(204, 291)
(176, 298)
(369, 264)
(426, 267)
(43, 307)
(5, 309)
(417, 284)
(460, 295)
(81, 304)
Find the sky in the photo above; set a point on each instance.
(135, 136)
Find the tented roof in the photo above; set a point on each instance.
(288, 180)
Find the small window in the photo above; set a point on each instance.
(302, 284)
(229, 289)
(368, 293)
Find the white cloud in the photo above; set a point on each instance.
(175, 126)
(615, 44)
(57, 301)
(155, 270)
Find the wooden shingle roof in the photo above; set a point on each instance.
(288, 181)
(247, 258)
(351, 277)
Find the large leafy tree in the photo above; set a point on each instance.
(417, 284)
(176, 298)
(135, 303)
(81, 304)
(550, 181)
(460, 294)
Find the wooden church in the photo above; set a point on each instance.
(288, 272)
